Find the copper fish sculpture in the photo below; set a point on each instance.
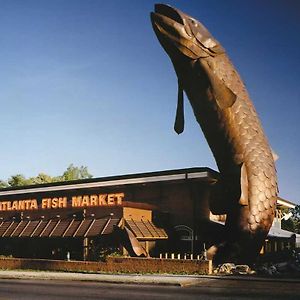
(247, 189)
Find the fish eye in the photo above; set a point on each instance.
(194, 22)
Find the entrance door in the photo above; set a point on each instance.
(185, 237)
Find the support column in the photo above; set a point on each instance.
(85, 248)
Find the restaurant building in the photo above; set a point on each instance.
(140, 214)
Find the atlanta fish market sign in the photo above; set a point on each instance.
(96, 200)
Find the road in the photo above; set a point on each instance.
(205, 289)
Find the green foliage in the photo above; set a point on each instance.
(71, 173)
(3, 184)
(74, 173)
(18, 180)
(100, 253)
(293, 223)
(288, 225)
(41, 178)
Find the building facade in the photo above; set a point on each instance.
(142, 214)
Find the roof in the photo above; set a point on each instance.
(280, 233)
(285, 203)
(197, 173)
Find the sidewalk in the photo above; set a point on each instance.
(107, 278)
(175, 280)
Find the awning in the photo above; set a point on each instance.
(142, 229)
(58, 227)
(145, 229)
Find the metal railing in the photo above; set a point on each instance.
(184, 256)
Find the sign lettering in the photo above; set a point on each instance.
(96, 200)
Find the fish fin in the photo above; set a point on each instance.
(275, 155)
(244, 186)
(224, 96)
(179, 119)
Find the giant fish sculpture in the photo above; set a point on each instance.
(247, 189)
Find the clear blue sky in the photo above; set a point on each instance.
(86, 82)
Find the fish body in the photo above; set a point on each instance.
(247, 190)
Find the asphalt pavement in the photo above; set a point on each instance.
(204, 289)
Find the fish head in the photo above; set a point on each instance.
(190, 46)
(180, 34)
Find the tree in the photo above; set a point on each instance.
(41, 178)
(72, 173)
(3, 184)
(75, 173)
(18, 180)
(293, 223)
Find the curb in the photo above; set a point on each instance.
(175, 280)
(252, 278)
(103, 278)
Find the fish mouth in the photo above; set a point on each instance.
(175, 29)
(168, 23)
(168, 12)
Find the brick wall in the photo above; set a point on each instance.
(112, 265)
